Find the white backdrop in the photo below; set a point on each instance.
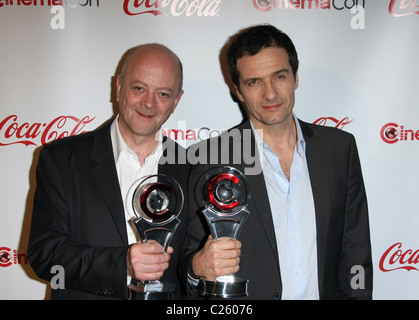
(359, 71)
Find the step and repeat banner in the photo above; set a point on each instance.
(359, 72)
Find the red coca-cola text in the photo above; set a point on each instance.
(201, 8)
(394, 258)
(325, 121)
(401, 8)
(11, 132)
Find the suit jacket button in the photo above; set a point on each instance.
(276, 296)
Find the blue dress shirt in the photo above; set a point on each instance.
(292, 206)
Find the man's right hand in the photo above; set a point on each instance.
(147, 261)
(217, 258)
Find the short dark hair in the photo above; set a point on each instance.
(252, 40)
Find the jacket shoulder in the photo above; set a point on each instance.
(79, 143)
(311, 130)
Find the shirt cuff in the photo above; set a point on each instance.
(192, 281)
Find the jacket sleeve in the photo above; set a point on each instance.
(197, 230)
(355, 273)
(87, 268)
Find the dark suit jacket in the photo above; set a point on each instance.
(343, 238)
(78, 217)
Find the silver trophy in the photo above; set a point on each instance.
(155, 201)
(225, 196)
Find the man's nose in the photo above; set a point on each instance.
(149, 100)
(269, 92)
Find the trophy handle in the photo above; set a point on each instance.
(222, 226)
(163, 234)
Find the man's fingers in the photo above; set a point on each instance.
(147, 261)
(217, 258)
(149, 247)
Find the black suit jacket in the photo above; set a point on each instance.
(343, 238)
(78, 219)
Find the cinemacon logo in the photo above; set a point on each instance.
(267, 5)
(9, 257)
(50, 3)
(200, 8)
(391, 133)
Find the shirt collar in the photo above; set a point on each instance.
(119, 145)
(301, 144)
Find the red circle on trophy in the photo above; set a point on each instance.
(225, 189)
(221, 191)
(156, 198)
(154, 201)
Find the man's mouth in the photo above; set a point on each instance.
(145, 115)
(272, 106)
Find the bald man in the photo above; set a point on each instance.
(80, 219)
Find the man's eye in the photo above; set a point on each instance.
(252, 83)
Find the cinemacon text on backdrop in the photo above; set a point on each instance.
(358, 72)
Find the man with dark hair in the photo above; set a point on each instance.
(256, 39)
(308, 223)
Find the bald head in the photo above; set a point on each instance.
(148, 92)
(154, 50)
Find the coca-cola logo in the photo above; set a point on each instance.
(201, 8)
(391, 133)
(394, 258)
(36, 134)
(331, 121)
(401, 8)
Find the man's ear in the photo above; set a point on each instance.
(118, 87)
(177, 100)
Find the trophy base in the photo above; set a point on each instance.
(145, 292)
(224, 287)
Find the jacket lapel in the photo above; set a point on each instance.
(106, 178)
(261, 207)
